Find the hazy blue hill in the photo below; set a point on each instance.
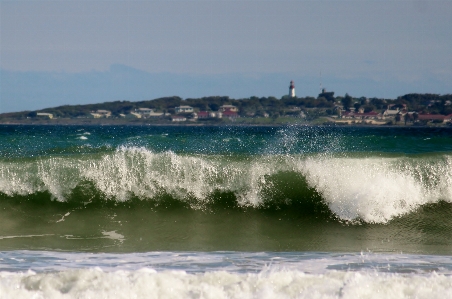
(38, 90)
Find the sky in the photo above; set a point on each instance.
(78, 52)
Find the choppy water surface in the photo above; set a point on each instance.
(256, 201)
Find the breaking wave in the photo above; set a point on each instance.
(372, 189)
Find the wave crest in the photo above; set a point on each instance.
(377, 190)
(369, 189)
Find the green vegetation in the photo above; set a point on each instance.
(253, 110)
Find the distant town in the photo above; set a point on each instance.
(325, 109)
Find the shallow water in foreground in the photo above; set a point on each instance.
(238, 212)
(224, 275)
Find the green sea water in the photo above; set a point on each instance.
(295, 188)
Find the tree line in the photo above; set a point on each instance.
(259, 106)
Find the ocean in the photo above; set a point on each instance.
(225, 212)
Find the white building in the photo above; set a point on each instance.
(157, 114)
(44, 115)
(94, 115)
(102, 113)
(144, 111)
(178, 118)
(391, 111)
(184, 109)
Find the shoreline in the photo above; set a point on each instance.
(145, 124)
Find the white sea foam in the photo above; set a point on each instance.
(113, 235)
(64, 216)
(24, 236)
(223, 275)
(147, 283)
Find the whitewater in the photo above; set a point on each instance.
(225, 212)
(364, 188)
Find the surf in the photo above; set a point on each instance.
(225, 275)
(354, 188)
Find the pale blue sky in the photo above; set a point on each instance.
(242, 48)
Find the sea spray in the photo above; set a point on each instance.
(370, 189)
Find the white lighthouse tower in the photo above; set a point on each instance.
(292, 90)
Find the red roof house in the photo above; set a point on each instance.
(230, 114)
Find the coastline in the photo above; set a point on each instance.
(120, 122)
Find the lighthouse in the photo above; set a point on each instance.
(292, 90)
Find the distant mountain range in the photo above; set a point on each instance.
(22, 91)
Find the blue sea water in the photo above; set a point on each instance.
(225, 212)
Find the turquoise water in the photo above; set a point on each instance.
(295, 194)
